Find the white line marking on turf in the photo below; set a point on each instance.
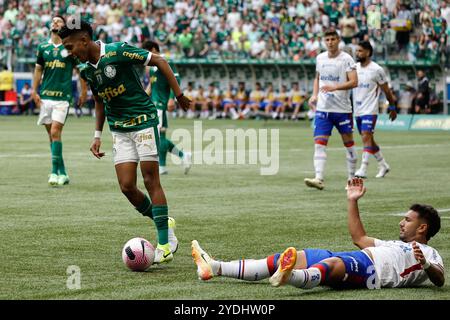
(80, 154)
(406, 146)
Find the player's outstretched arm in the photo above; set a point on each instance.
(355, 190)
(434, 272)
(99, 122)
(165, 69)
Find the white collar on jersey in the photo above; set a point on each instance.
(102, 53)
(51, 42)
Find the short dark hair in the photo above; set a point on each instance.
(430, 215)
(366, 45)
(61, 17)
(83, 27)
(149, 45)
(330, 32)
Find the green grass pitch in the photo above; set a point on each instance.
(232, 211)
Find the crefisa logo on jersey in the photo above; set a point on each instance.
(110, 71)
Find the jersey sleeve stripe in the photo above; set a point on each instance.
(149, 57)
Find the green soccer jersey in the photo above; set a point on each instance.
(161, 91)
(117, 83)
(57, 68)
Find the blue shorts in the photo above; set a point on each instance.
(366, 123)
(263, 104)
(358, 266)
(325, 121)
(226, 101)
(277, 104)
(239, 102)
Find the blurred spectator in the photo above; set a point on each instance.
(422, 100)
(25, 99)
(405, 98)
(6, 81)
(284, 26)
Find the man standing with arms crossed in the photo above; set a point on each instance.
(56, 66)
(371, 78)
(335, 76)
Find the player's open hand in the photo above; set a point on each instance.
(184, 102)
(36, 99)
(312, 102)
(82, 100)
(355, 189)
(418, 254)
(95, 148)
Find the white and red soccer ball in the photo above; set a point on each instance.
(138, 254)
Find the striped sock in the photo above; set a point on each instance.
(311, 277)
(246, 269)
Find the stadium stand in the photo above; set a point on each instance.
(229, 35)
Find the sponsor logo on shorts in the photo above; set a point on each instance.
(344, 122)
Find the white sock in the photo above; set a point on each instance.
(246, 111)
(365, 161)
(305, 278)
(352, 159)
(233, 112)
(320, 159)
(248, 269)
(379, 156)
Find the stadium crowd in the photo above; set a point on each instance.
(236, 29)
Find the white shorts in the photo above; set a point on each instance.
(135, 146)
(52, 110)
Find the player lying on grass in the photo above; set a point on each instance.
(132, 118)
(400, 263)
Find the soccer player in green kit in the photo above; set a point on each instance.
(160, 92)
(132, 118)
(56, 66)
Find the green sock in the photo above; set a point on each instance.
(145, 208)
(62, 168)
(162, 150)
(173, 149)
(56, 156)
(161, 218)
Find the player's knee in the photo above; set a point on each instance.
(55, 134)
(128, 189)
(366, 138)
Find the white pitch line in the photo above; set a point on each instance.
(406, 146)
(219, 152)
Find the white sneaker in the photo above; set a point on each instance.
(63, 179)
(187, 162)
(361, 174)
(314, 183)
(202, 260)
(53, 179)
(163, 254)
(384, 169)
(173, 241)
(287, 263)
(163, 170)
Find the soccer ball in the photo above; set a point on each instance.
(138, 254)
